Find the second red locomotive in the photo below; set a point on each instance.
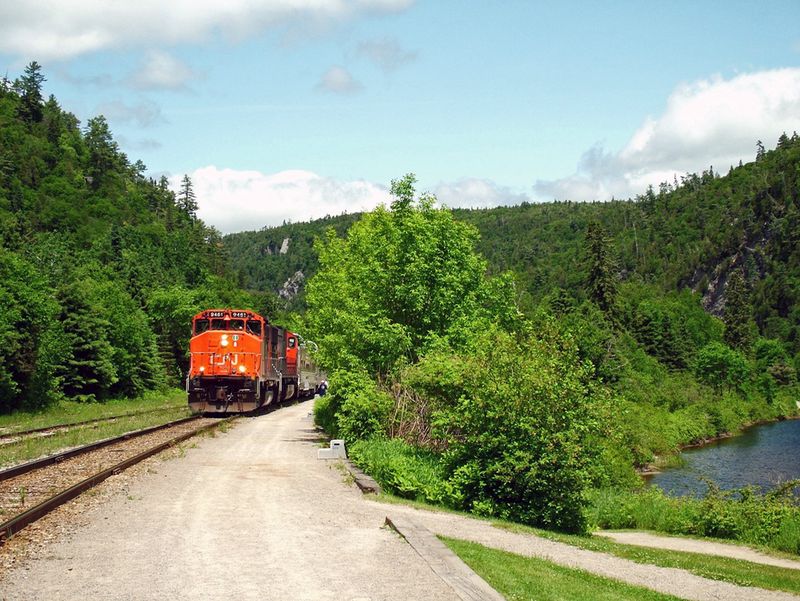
(240, 362)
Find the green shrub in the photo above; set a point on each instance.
(364, 414)
(403, 470)
(354, 408)
(325, 415)
(719, 365)
(521, 425)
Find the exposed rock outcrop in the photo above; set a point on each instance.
(292, 286)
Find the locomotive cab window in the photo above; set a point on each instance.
(237, 324)
(254, 327)
(291, 342)
(200, 326)
(218, 324)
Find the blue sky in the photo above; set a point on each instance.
(294, 109)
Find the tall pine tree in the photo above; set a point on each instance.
(88, 371)
(187, 202)
(602, 280)
(738, 315)
(30, 91)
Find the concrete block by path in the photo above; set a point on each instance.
(335, 451)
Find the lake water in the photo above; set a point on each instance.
(762, 455)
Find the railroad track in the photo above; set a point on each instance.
(31, 490)
(18, 436)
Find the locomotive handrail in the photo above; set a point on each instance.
(227, 352)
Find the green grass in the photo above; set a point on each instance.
(520, 578)
(736, 571)
(173, 404)
(66, 412)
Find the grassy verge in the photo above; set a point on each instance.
(173, 404)
(66, 412)
(520, 578)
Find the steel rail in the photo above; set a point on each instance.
(24, 468)
(24, 433)
(18, 522)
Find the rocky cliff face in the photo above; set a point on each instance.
(712, 279)
(273, 249)
(291, 287)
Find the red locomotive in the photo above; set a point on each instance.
(239, 362)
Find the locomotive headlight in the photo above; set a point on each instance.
(242, 368)
(202, 368)
(223, 341)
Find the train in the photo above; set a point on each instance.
(240, 362)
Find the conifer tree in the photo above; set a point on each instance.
(30, 91)
(738, 313)
(602, 280)
(103, 150)
(760, 151)
(186, 198)
(88, 371)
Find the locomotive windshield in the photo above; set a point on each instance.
(251, 326)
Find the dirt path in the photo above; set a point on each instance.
(645, 539)
(252, 514)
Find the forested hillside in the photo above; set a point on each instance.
(690, 234)
(100, 267)
(264, 263)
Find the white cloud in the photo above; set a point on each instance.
(386, 53)
(162, 71)
(233, 201)
(710, 122)
(471, 193)
(339, 81)
(62, 29)
(143, 114)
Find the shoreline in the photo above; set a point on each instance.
(651, 469)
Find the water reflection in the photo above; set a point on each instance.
(763, 456)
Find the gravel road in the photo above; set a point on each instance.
(252, 514)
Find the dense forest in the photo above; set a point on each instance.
(100, 266)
